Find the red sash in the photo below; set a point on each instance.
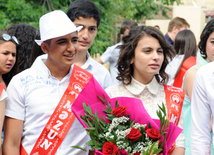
(189, 62)
(1, 88)
(62, 118)
(174, 102)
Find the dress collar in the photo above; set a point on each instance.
(136, 87)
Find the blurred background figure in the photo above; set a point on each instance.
(175, 25)
(26, 34)
(112, 53)
(186, 48)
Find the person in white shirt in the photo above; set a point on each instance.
(202, 107)
(36, 92)
(80, 14)
(112, 53)
(141, 65)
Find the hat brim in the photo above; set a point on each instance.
(39, 42)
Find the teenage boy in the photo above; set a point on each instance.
(175, 25)
(112, 53)
(85, 13)
(38, 112)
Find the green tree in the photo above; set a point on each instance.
(112, 12)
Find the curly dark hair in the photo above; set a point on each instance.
(209, 28)
(124, 65)
(26, 34)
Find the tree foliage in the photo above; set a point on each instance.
(112, 12)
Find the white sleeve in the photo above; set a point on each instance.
(201, 116)
(14, 103)
(106, 56)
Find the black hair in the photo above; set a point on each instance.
(209, 28)
(85, 9)
(36, 51)
(26, 34)
(185, 43)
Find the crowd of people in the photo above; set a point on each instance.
(39, 68)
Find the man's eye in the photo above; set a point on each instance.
(61, 42)
(92, 29)
(75, 40)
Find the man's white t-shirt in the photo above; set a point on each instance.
(34, 95)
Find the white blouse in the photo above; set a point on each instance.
(151, 95)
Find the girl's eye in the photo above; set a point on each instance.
(14, 55)
(160, 51)
(147, 51)
(5, 53)
(212, 42)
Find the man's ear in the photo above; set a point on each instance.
(175, 29)
(45, 47)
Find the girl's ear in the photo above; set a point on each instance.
(45, 47)
(132, 61)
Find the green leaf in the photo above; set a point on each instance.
(78, 147)
(117, 104)
(90, 143)
(101, 98)
(157, 151)
(149, 125)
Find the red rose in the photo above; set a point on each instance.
(153, 134)
(119, 111)
(134, 134)
(137, 153)
(110, 149)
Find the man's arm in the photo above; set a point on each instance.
(12, 136)
(201, 112)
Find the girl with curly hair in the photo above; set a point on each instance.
(141, 66)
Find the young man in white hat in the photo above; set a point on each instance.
(85, 13)
(39, 119)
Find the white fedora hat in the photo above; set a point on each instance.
(55, 24)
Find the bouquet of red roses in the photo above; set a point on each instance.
(121, 125)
